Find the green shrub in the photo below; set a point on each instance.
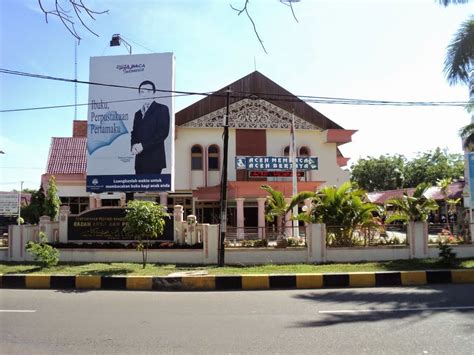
(446, 253)
(43, 252)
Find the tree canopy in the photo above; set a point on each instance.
(391, 172)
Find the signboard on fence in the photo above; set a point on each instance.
(106, 224)
(268, 163)
(9, 204)
(130, 125)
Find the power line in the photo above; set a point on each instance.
(265, 96)
(84, 104)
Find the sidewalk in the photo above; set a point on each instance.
(237, 282)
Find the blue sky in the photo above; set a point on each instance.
(390, 50)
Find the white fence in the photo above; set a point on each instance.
(315, 252)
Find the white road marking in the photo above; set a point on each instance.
(17, 310)
(394, 310)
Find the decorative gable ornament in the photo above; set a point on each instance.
(251, 114)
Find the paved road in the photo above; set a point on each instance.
(409, 320)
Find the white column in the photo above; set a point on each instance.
(178, 234)
(63, 223)
(316, 240)
(417, 234)
(261, 216)
(92, 200)
(210, 243)
(240, 217)
(164, 199)
(44, 226)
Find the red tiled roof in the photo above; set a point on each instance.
(67, 156)
(434, 192)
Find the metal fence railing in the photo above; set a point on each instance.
(379, 235)
(4, 240)
(451, 233)
(263, 236)
(394, 234)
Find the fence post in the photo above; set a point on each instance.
(45, 227)
(316, 240)
(417, 234)
(210, 243)
(178, 236)
(63, 223)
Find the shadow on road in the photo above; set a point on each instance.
(370, 305)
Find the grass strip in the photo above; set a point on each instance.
(108, 269)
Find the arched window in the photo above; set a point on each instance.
(304, 152)
(196, 157)
(286, 151)
(213, 157)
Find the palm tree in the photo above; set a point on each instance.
(277, 207)
(414, 208)
(343, 209)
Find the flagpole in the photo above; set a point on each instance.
(295, 228)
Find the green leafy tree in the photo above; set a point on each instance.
(343, 209)
(379, 174)
(431, 166)
(35, 209)
(145, 220)
(414, 208)
(277, 207)
(52, 203)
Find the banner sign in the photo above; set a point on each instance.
(130, 128)
(471, 178)
(9, 204)
(274, 163)
(275, 173)
(106, 224)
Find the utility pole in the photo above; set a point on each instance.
(223, 206)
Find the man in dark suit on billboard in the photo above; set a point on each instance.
(151, 126)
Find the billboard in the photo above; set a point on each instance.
(130, 128)
(9, 204)
(268, 163)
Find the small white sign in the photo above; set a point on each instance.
(9, 204)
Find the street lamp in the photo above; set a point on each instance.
(117, 40)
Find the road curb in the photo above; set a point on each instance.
(238, 282)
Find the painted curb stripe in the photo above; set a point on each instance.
(228, 282)
(436, 277)
(363, 279)
(462, 276)
(63, 282)
(336, 280)
(202, 283)
(113, 282)
(13, 281)
(282, 281)
(165, 283)
(413, 278)
(88, 282)
(255, 282)
(388, 279)
(139, 283)
(309, 281)
(37, 281)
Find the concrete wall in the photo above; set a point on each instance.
(183, 256)
(461, 250)
(355, 254)
(248, 256)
